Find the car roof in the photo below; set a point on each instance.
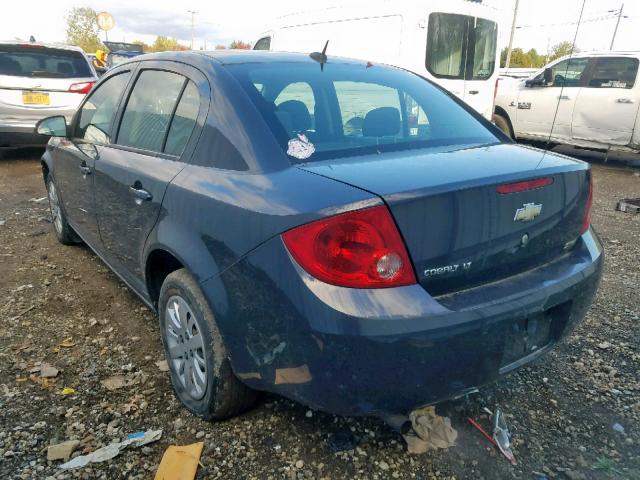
(232, 57)
(59, 46)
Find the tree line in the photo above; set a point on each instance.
(533, 59)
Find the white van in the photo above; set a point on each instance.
(596, 96)
(452, 42)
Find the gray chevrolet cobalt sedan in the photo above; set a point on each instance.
(347, 235)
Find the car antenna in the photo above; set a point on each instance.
(320, 57)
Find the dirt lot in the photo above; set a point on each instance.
(62, 307)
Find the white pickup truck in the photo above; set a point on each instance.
(588, 100)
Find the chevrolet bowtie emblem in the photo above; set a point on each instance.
(528, 212)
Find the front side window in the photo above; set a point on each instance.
(357, 99)
(614, 72)
(96, 114)
(149, 109)
(263, 44)
(461, 47)
(357, 110)
(567, 73)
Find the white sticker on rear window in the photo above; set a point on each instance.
(300, 147)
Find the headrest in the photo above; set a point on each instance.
(381, 122)
(298, 113)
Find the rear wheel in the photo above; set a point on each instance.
(64, 232)
(200, 370)
(503, 124)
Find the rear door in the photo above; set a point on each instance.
(38, 82)
(75, 158)
(607, 106)
(536, 109)
(166, 105)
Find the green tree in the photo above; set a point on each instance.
(561, 49)
(82, 29)
(145, 47)
(162, 44)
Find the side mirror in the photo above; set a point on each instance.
(52, 126)
(534, 82)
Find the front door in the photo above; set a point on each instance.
(536, 106)
(132, 174)
(607, 106)
(76, 158)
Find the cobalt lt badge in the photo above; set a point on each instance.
(528, 212)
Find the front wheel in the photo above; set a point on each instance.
(200, 370)
(64, 233)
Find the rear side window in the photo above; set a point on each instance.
(96, 114)
(614, 72)
(183, 121)
(147, 116)
(461, 47)
(42, 62)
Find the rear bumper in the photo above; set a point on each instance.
(357, 352)
(18, 132)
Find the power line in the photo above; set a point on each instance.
(563, 24)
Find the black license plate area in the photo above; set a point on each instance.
(525, 337)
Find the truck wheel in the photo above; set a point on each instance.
(503, 124)
(200, 370)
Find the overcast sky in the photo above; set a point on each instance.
(541, 21)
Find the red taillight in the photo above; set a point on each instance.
(81, 87)
(358, 249)
(526, 185)
(586, 219)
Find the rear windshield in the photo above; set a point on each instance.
(349, 109)
(42, 62)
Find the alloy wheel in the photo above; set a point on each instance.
(185, 347)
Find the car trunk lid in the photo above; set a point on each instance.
(459, 229)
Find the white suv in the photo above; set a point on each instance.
(594, 98)
(38, 81)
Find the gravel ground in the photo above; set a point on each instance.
(62, 307)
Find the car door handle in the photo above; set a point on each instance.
(140, 193)
(625, 100)
(564, 97)
(85, 169)
(474, 92)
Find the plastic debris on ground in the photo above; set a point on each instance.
(108, 452)
(62, 451)
(180, 462)
(501, 438)
(429, 431)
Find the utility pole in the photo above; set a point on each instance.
(513, 29)
(193, 13)
(617, 23)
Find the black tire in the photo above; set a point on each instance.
(64, 233)
(503, 124)
(224, 395)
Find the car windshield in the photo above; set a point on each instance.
(355, 109)
(42, 62)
